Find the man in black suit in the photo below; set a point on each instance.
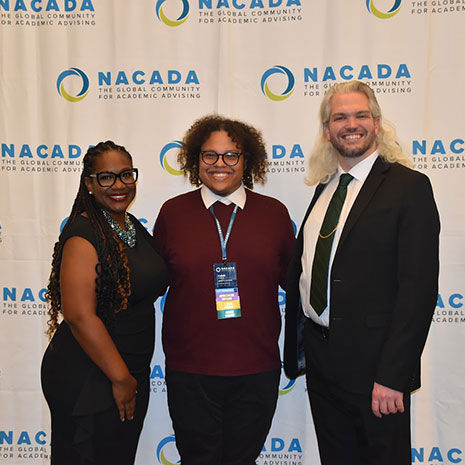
(362, 286)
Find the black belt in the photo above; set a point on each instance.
(323, 331)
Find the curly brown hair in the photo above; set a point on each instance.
(112, 282)
(246, 137)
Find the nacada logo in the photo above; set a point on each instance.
(349, 72)
(449, 309)
(25, 302)
(168, 149)
(140, 77)
(437, 455)
(439, 154)
(288, 79)
(166, 448)
(42, 151)
(281, 445)
(73, 84)
(84, 87)
(173, 13)
(438, 146)
(22, 438)
(12, 294)
(172, 22)
(380, 14)
(289, 386)
(38, 6)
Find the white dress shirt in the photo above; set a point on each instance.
(238, 197)
(313, 225)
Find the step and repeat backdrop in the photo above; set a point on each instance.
(75, 72)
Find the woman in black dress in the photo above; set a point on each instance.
(105, 277)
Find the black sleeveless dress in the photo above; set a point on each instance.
(85, 423)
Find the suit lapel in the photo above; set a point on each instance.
(370, 186)
(300, 236)
(318, 191)
(296, 261)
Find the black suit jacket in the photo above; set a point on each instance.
(383, 285)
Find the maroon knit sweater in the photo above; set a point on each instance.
(261, 243)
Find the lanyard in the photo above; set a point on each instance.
(224, 240)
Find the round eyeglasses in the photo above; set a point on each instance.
(107, 179)
(210, 157)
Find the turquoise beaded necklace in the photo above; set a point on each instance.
(128, 236)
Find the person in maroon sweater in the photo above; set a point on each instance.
(227, 249)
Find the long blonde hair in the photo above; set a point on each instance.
(322, 163)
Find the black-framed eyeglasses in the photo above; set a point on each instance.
(107, 178)
(210, 157)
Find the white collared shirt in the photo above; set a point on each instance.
(313, 225)
(238, 197)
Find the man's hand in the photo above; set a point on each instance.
(385, 400)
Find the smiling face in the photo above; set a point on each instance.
(351, 128)
(221, 178)
(117, 198)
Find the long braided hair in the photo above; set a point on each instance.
(112, 282)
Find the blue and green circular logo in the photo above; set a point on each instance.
(172, 22)
(290, 83)
(164, 159)
(161, 455)
(61, 87)
(379, 14)
(287, 388)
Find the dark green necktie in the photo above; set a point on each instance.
(320, 267)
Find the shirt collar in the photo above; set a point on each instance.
(238, 197)
(362, 169)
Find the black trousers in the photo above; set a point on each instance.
(347, 431)
(221, 420)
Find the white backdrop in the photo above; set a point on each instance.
(75, 72)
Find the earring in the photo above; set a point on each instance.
(90, 193)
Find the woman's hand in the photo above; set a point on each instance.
(124, 393)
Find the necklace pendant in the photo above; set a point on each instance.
(128, 237)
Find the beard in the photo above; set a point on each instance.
(355, 152)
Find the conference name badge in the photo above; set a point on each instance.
(226, 291)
